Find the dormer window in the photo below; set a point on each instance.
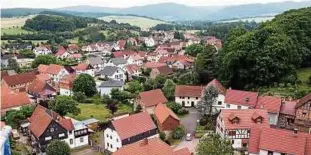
(257, 118)
(234, 119)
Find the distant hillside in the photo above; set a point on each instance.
(144, 23)
(173, 11)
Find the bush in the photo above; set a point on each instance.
(203, 121)
(174, 106)
(89, 100)
(183, 111)
(163, 136)
(178, 132)
(79, 97)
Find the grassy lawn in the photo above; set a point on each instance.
(99, 112)
(144, 23)
(289, 90)
(15, 21)
(33, 41)
(15, 30)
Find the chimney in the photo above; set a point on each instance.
(144, 142)
(295, 131)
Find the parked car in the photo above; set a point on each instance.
(15, 134)
(188, 137)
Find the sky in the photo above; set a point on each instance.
(121, 3)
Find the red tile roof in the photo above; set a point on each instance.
(133, 125)
(279, 140)
(43, 77)
(67, 81)
(154, 64)
(271, 103)
(162, 113)
(121, 43)
(132, 68)
(10, 99)
(18, 79)
(75, 56)
(218, 86)
(239, 97)
(188, 91)
(38, 86)
(42, 117)
(288, 108)
(54, 69)
(152, 98)
(244, 116)
(60, 51)
(165, 70)
(82, 66)
(43, 68)
(153, 146)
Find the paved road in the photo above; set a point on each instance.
(189, 122)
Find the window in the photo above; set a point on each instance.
(71, 141)
(219, 103)
(239, 107)
(107, 144)
(228, 106)
(111, 146)
(48, 138)
(52, 129)
(110, 137)
(188, 97)
(244, 144)
(270, 153)
(197, 98)
(232, 141)
(283, 153)
(61, 135)
(107, 135)
(81, 139)
(231, 133)
(117, 140)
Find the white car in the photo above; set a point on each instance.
(188, 137)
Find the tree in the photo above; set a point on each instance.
(113, 107)
(12, 64)
(79, 97)
(14, 117)
(169, 89)
(57, 147)
(134, 87)
(106, 99)
(209, 98)
(43, 59)
(159, 81)
(85, 83)
(189, 78)
(178, 133)
(194, 49)
(63, 105)
(27, 53)
(128, 45)
(174, 106)
(214, 144)
(121, 96)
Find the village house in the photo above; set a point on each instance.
(117, 62)
(212, 40)
(150, 42)
(167, 120)
(273, 105)
(287, 115)
(135, 59)
(40, 91)
(56, 72)
(89, 48)
(42, 50)
(238, 99)
(132, 70)
(220, 100)
(273, 141)
(129, 129)
(66, 85)
(62, 53)
(152, 65)
(188, 96)
(148, 100)
(46, 125)
(24, 62)
(11, 100)
(112, 72)
(152, 146)
(105, 47)
(153, 57)
(19, 82)
(73, 48)
(75, 57)
(84, 68)
(123, 54)
(236, 125)
(44, 77)
(96, 62)
(5, 60)
(164, 70)
(120, 45)
(303, 117)
(106, 86)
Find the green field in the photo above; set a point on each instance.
(289, 89)
(256, 19)
(13, 25)
(144, 23)
(15, 30)
(99, 112)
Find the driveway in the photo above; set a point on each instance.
(189, 122)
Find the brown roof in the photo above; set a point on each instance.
(279, 140)
(271, 103)
(43, 68)
(54, 69)
(152, 98)
(239, 97)
(162, 113)
(132, 68)
(4, 73)
(10, 99)
(188, 91)
(43, 77)
(82, 66)
(133, 125)
(42, 117)
(153, 146)
(39, 86)
(18, 79)
(165, 70)
(218, 86)
(67, 81)
(245, 118)
(154, 64)
(288, 108)
(303, 100)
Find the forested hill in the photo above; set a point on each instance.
(269, 54)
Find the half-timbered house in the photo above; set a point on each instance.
(303, 114)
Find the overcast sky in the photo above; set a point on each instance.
(120, 3)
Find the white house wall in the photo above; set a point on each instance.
(113, 140)
(66, 92)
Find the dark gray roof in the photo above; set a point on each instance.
(6, 57)
(112, 83)
(95, 60)
(108, 70)
(118, 61)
